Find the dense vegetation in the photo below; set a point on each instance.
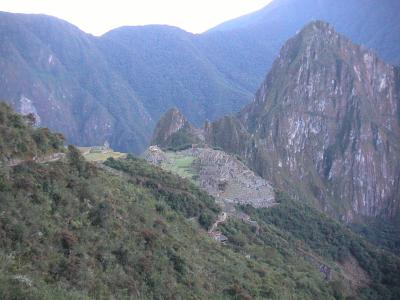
(309, 230)
(70, 226)
(73, 230)
(69, 230)
(383, 232)
(128, 77)
(180, 194)
(180, 141)
(174, 132)
(18, 139)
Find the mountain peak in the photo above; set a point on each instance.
(174, 130)
(329, 108)
(319, 31)
(313, 34)
(317, 26)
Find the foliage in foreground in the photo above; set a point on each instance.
(69, 230)
(304, 227)
(72, 230)
(19, 139)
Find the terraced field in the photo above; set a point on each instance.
(220, 174)
(100, 156)
(181, 164)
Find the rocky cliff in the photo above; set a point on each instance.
(324, 124)
(174, 130)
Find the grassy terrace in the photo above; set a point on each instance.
(180, 164)
(100, 156)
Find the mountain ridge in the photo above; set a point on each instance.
(107, 89)
(126, 229)
(320, 106)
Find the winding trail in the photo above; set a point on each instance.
(221, 219)
(39, 160)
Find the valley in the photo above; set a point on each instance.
(203, 166)
(115, 87)
(69, 216)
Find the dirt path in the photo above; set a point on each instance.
(221, 219)
(39, 160)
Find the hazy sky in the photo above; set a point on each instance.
(99, 16)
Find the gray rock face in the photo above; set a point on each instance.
(326, 121)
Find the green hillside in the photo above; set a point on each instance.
(70, 229)
(302, 227)
(18, 139)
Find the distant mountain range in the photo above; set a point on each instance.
(323, 130)
(115, 87)
(324, 126)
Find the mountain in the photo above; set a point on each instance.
(52, 69)
(324, 124)
(110, 88)
(70, 229)
(166, 69)
(246, 47)
(115, 87)
(174, 130)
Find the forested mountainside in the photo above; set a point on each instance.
(110, 88)
(325, 123)
(52, 69)
(70, 229)
(114, 88)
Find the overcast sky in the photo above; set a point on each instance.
(99, 16)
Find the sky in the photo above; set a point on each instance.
(99, 16)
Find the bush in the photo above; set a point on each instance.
(100, 214)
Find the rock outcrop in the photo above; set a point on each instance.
(324, 125)
(173, 130)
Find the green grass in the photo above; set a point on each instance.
(100, 156)
(180, 164)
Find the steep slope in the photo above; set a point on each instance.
(325, 121)
(164, 66)
(114, 87)
(326, 244)
(73, 230)
(20, 141)
(173, 130)
(245, 48)
(54, 70)
(110, 88)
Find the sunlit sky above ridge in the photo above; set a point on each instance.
(100, 16)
